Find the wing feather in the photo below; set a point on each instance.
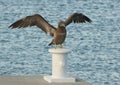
(77, 18)
(34, 20)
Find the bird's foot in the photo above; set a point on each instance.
(60, 46)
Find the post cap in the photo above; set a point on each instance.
(59, 50)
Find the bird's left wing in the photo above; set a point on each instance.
(34, 20)
(77, 18)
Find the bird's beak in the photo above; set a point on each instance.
(62, 25)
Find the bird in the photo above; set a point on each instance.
(59, 33)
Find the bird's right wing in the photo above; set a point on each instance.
(77, 18)
(34, 20)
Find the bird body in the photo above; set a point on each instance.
(59, 33)
(59, 36)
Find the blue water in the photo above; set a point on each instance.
(95, 47)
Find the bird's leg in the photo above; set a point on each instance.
(55, 46)
(61, 46)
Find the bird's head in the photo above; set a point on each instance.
(61, 24)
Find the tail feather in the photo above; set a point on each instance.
(50, 43)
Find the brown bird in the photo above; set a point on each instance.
(59, 33)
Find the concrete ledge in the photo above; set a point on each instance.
(33, 80)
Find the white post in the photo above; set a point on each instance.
(59, 64)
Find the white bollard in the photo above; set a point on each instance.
(59, 64)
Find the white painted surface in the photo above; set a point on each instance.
(59, 64)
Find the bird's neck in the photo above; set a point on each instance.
(62, 29)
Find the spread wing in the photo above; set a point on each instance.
(77, 18)
(34, 20)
